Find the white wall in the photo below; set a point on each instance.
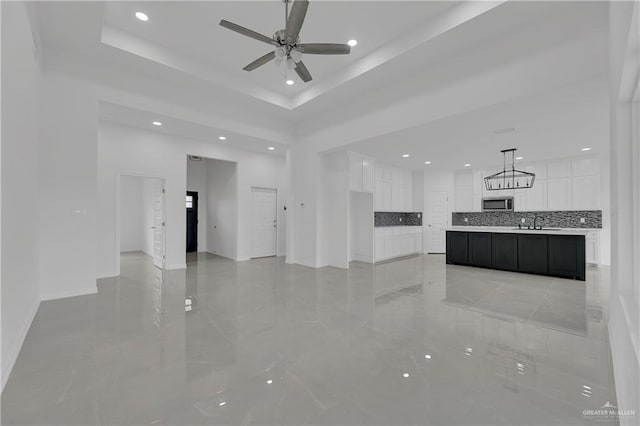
(129, 151)
(132, 212)
(21, 79)
(624, 314)
(67, 176)
(197, 181)
(222, 208)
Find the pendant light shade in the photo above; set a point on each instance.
(509, 178)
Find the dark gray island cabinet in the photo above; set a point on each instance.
(533, 252)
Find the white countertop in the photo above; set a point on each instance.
(515, 230)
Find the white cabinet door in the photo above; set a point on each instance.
(379, 172)
(398, 176)
(408, 190)
(478, 183)
(559, 169)
(592, 248)
(386, 196)
(379, 247)
(464, 198)
(587, 166)
(520, 201)
(378, 197)
(355, 172)
(368, 178)
(477, 203)
(536, 196)
(398, 197)
(539, 169)
(585, 192)
(559, 193)
(388, 243)
(464, 177)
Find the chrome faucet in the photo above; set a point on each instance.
(535, 220)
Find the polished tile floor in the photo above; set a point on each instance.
(261, 342)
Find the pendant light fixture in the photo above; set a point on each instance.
(509, 178)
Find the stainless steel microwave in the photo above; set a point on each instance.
(497, 204)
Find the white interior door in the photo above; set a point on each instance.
(264, 223)
(436, 221)
(158, 224)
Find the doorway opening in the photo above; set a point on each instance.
(264, 222)
(191, 204)
(211, 208)
(141, 220)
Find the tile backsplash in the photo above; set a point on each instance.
(552, 219)
(397, 218)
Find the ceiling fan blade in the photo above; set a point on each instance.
(295, 20)
(325, 48)
(247, 32)
(260, 61)
(303, 72)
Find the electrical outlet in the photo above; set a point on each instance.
(582, 220)
(522, 220)
(466, 219)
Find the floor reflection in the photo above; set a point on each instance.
(413, 341)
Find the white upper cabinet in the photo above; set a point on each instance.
(587, 166)
(559, 193)
(355, 172)
(539, 169)
(585, 192)
(393, 188)
(559, 169)
(361, 173)
(536, 196)
(464, 198)
(567, 184)
(368, 174)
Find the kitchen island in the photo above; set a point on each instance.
(553, 252)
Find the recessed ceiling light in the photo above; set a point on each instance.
(157, 123)
(222, 138)
(405, 155)
(427, 356)
(222, 404)
(269, 381)
(467, 165)
(352, 43)
(405, 375)
(271, 148)
(427, 162)
(290, 82)
(519, 158)
(142, 16)
(585, 149)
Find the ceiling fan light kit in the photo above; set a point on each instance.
(509, 178)
(286, 42)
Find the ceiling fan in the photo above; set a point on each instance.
(286, 42)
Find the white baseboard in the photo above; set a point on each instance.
(69, 293)
(108, 274)
(15, 351)
(174, 267)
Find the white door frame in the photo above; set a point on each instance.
(277, 221)
(118, 221)
(427, 219)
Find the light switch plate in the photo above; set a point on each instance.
(582, 220)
